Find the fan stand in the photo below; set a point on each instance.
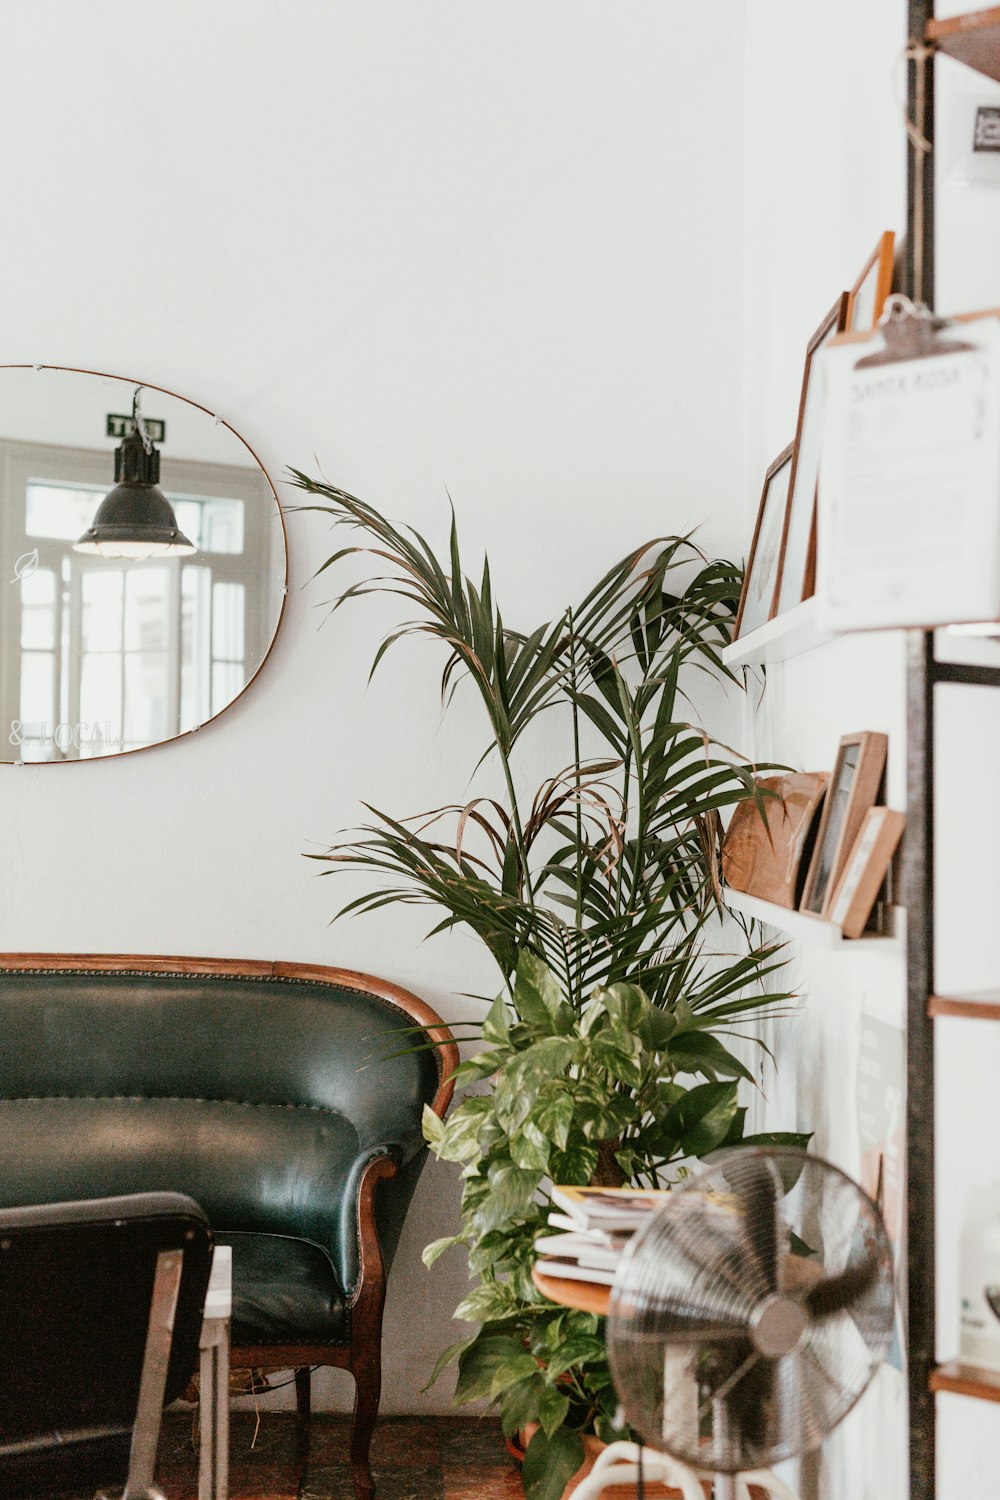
(619, 1464)
(724, 1487)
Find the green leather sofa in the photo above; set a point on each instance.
(283, 1098)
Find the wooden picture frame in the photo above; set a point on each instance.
(868, 294)
(797, 564)
(761, 577)
(865, 869)
(767, 846)
(853, 789)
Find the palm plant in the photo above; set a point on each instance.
(597, 894)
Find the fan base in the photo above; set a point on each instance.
(593, 1448)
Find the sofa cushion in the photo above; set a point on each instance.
(285, 1291)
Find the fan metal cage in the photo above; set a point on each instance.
(751, 1313)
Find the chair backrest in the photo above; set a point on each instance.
(252, 1087)
(76, 1286)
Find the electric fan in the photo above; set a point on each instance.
(751, 1313)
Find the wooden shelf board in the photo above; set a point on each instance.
(977, 1005)
(585, 1296)
(785, 636)
(966, 1380)
(808, 929)
(973, 39)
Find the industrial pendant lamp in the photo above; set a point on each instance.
(135, 519)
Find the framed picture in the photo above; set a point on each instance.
(767, 845)
(797, 564)
(868, 294)
(865, 870)
(852, 790)
(761, 575)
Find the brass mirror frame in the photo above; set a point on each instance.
(220, 421)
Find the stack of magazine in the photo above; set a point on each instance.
(592, 1227)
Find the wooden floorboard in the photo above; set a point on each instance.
(431, 1458)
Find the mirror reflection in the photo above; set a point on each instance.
(142, 565)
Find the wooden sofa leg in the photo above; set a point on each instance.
(367, 1393)
(366, 1328)
(303, 1404)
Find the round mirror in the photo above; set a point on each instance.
(142, 565)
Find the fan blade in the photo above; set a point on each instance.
(711, 1240)
(692, 1331)
(760, 1191)
(840, 1293)
(675, 1312)
(740, 1387)
(751, 1408)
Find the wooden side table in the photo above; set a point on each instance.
(585, 1296)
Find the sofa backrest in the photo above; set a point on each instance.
(252, 1087)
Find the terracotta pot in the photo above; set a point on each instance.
(592, 1449)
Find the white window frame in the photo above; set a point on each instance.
(22, 463)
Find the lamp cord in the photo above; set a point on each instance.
(137, 418)
(640, 1489)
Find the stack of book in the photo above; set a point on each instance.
(593, 1227)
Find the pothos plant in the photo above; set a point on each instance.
(605, 1057)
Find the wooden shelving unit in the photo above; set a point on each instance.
(973, 39)
(809, 929)
(967, 1380)
(977, 1005)
(785, 636)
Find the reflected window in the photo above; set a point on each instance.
(114, 654)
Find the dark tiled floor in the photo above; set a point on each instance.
(430, 1458)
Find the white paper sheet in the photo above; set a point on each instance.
(909, 486)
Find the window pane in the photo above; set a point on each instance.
(222, 522)
(146, 697)
(196, 598)
(227, 683)
(61, 510)
(146, 609)
(101, 623)
(37, 683)
(188, 513)
(227, 621)
(38, 610)
(101, 692)
(213, 525)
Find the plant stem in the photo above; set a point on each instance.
(577, 772)
(515, 818)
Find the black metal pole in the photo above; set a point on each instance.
(917, 874)
(919, 261)
(917, 880)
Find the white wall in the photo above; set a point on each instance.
(824, 177)
(494, 247)
(825, 174)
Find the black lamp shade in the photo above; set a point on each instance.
(136, 519)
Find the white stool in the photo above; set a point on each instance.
(213, 1468)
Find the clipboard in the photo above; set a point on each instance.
(909, 491)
